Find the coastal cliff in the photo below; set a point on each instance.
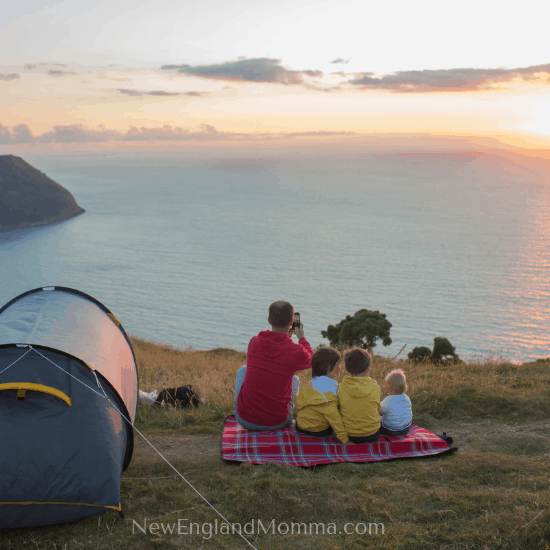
(28, 198)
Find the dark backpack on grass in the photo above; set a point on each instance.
(182, 397)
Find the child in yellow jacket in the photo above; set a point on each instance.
(359, 399)
(317, 403)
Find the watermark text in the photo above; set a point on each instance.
(207, 530)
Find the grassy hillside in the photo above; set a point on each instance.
(493, 391)
(493, 493)
(29, 198)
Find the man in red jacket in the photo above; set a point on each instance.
(266, 387)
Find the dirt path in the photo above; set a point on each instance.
(176, 447)
(208, 447)
(466, 435)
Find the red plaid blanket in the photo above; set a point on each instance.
(292, 448)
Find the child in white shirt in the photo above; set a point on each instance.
(395, 409)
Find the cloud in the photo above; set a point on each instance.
(321, 133)
(11, 76)
(16, 135)
(318, 88)
(125, 91)
(159, 93)
(22, 134)
(55, 72)
(209, 132)
(162, 93)
(314, 74)
(169, 133)
(247, 70)
(340, 60)
(5, 134)
(449, 80)
(77, 133)
(31, 66)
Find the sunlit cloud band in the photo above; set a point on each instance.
(456, 80)
(78, 133)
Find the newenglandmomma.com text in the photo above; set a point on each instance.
(255, 527)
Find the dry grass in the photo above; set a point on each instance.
(211, 373)
(463, 391)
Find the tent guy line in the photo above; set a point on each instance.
(20, 360)
(74, 377)
(104, 396)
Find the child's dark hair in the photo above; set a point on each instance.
(323, 361)
(357, 361)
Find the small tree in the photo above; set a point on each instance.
(361, 330)
(443, 350)
(421, 353)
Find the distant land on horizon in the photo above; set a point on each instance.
(29, 198)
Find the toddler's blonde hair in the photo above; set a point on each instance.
(397, 380)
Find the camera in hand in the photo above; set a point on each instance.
(296, 321)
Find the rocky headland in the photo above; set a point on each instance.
(29, 198)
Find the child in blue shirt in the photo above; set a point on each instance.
(395, 409)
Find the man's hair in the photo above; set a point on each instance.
(357, 361)
(323, 361)
(397, 380)
(280, 314)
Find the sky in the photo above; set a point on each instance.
(160, 74)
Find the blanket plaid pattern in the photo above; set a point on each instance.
(289, 447)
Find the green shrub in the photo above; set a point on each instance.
(421, 353)
(362, 330)
(443, 351)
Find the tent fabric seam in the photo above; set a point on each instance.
(36, 321)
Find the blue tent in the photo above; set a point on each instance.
(66, 370)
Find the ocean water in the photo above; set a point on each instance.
(191, 250)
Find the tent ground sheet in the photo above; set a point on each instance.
(289, 447)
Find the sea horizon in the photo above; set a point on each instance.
(189, 251)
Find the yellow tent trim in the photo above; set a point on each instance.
(36, 387)
(117, 508)
(114, 319)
